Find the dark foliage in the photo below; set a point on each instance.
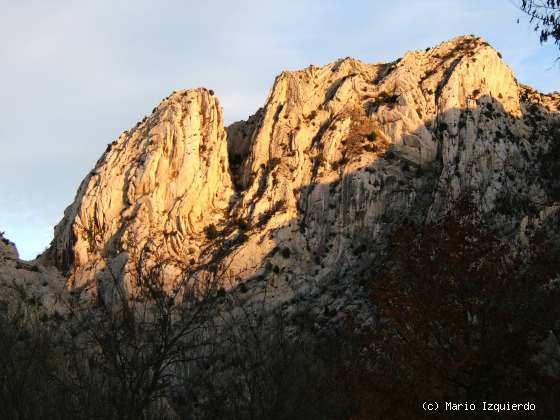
(550, 163)
(211, 232)
(545, 15)
(462, 318)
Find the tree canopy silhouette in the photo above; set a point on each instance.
(545, 15)
(464, 317)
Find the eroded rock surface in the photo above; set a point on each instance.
(305, 191)
(158, 186)
(38, 289)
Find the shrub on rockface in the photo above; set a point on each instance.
(211, 232)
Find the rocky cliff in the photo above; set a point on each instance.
(156, 187)
(40, 289)
(305, 191)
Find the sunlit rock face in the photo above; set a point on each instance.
(306, 190)
(156, 187)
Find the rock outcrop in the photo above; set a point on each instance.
(157, 187)
(39, 289)
(305, 191)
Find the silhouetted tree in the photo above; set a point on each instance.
(461, 317)
(545, 15)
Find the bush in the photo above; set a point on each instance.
(211, 232)
(242, 225)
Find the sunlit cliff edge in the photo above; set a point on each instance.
(305, 191)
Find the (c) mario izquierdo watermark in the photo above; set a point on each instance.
(496, 407)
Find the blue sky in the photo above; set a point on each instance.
(74, 74)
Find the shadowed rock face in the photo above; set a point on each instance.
(41, 288)
(308, 187)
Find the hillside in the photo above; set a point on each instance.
(375, 236)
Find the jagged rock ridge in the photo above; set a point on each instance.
(306, 190)
(158, 185)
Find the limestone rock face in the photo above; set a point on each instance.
(345, 152)
(40, 288)
(157, 186)
(8, 250)
(306, 190)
